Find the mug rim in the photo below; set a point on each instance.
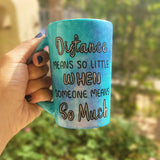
(79, 19)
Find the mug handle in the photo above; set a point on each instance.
(47, 106)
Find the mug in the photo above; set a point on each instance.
(80, 52)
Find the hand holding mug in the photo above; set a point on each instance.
(17, 79)
(81, 61)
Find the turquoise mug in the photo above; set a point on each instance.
(80, 52)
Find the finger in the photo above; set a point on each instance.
(37, 72)
(40, 95)
(22, 52)
(40, 58)
(34, 85)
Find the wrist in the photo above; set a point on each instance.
(4, 139)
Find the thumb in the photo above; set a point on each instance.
(22, 52)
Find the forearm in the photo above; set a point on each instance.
(3, 143)
(5, 137)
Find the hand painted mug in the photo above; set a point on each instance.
(80, 52)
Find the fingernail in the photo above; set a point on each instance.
(28, 98)
(38, 35)
(40, 59)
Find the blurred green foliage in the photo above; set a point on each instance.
(44, 140)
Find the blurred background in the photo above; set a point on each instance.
(134, 130)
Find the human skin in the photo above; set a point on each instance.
(17, 79)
